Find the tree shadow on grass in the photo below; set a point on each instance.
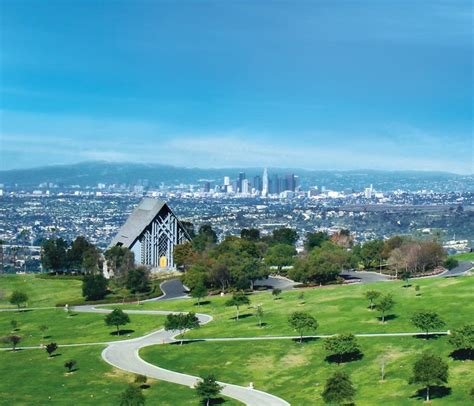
(388, 317)
(262, 325)
(242, 316)
(216, 401)
(55, 355)
(72, 314)
(436, 392)
(462, 355)
(305, 340)
(121, 332)
(46, 337)
(203, 303)
(72, 370)
(423, 336)
(197, 340)
(348, 357)
(144, 386)
(24, 310)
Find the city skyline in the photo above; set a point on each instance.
(324, 85)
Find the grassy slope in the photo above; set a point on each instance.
(79, 328)
(41, 292)
(297, 372)
(468, 256)
(338, 309)
(30, 378)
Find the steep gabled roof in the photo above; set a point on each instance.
(140, 218)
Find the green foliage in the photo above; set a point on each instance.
(238, 299)
(429, 370)
(280, 255)
(371, 253)
(117, 318)
(75, 254)
(54, 254)
(259, 314)
(17, 298)
(463, 339)
(372, 296)
(90, 260)
(14, 324)
(451, 263)
(314, 240)
(302, 322)
(207, 388)
(342, 347)
(338, 389)
(427, 321)
(198, 292)
(119, 261)
(94, 287)
(276, 292)
(51, 348)
(250, 234)
(384, 305)
(181, 322)
(132, 396)
(140, 379)
(206, 237)
(184, 255)
(14, 340)
(43, 328)
(322, 265)
(285, 236)
(138, 279)
(70, 364)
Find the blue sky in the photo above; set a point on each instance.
(311, 84)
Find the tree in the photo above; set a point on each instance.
(417, 290)
(199, 292)
(51, 348)
(462, 339)
(17, 298)
(90, 260)
(284, 236)
(301, 297)
(207, 388)
(338, 389)
(451, 263)
(301, 322)
(250, 234)
(184, 255)
(70, 364)
(406, 275)
(276, 292)
(259, 315)
(54, 254)
(75, 253)
(238, 299)
(427, 321)
(119, 261)
(385, 304)
(14, 340)
(43, 328)
(141, 380)
(342, 347)
(429, 370)
(138, 279)
(280, 255)
(371, 253)
(372, 296)
(132, 396)
(94, 287)
(181, 322)
(314, 240)
(117, 318)
(14, 325)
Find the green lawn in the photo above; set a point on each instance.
(77, 328)
(30, 378)
(41, 292)
(297, 372)
(338, 309)
(467, 256)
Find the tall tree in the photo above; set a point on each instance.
(280, 255)
(117, 318)
(119, 261)
(384, 305)
(76, 251)
(94, 287)
(429, 370)
(90, 260)
(286, 236)
(302, 322)
(314, 240)
(427, 321)
(54, 254)
(338, 389)
(238, 299)
(138, 279)
(208, 388)
(17, 298)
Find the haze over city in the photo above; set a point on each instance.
(320, 85)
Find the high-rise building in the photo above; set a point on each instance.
(275, 185)
(226, 181)
(368, 192)
(290, 183)
(265, 185)
(245, 186)
(257, 183)
(240, 180)
(206, 187)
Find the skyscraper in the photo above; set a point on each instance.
(257, 183)
(265, 183)
(245, 187)
(240, 180)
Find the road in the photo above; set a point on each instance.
(461, 269)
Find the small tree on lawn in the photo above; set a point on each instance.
(342, 346)
(207, 388)
(70, 364)
(372, 296)
(51, 348)
(141, 380)
(259, 314)
(417, 290)
(429, 370)
(406, 278)
(238, 299)
(117, 318)
(301, 322)
(199, 292)
(43, 328)
(14, 340)
(301, 297)
(384, 305)
(17, 298)
(132, 396)
(427, 321)
(14, 325)
(338, 389)
(463, 339)
(181, 322)
(276, 292)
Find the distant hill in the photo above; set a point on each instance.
(91, 173)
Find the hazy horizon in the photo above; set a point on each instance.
(321, 85)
